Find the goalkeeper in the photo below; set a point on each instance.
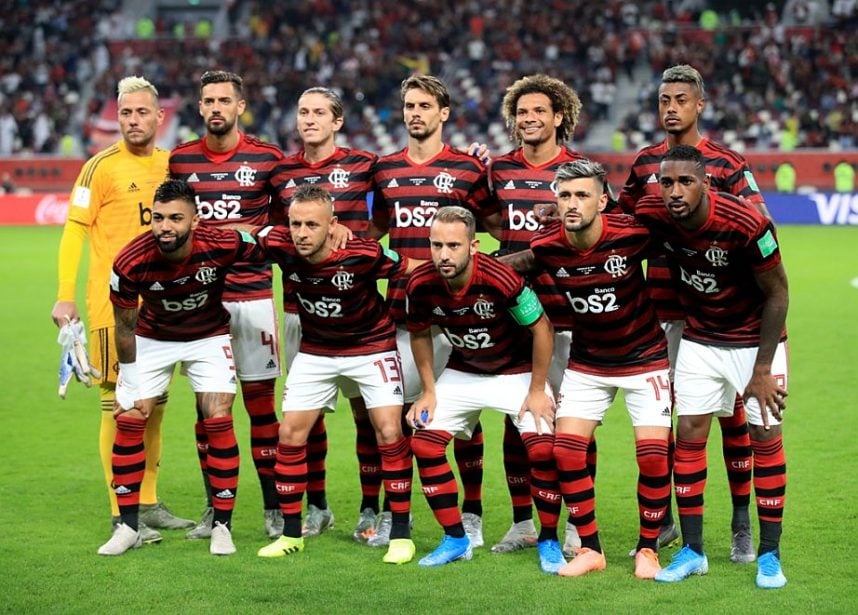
(110, 205)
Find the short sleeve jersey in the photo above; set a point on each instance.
(715, 266)
(180, 301)
(518, 186)
(408, 194)
(112, 197)
(729, 172)
(615, 331)
(234, 187)
(478, 320)
(341, 311)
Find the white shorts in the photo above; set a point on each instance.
(207, 363)
(292, 342)
(588, 396)
(460, 396)
(673, 333)
(313, 381)
(708, 378)
(562, 342)
(441, 352)
(255, 339)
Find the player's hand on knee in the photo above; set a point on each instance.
(542, 407)
(421, 412)
(769, 395)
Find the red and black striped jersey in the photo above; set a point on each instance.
(615, 330)
(729, 172)
(233, 187)
(408, 194)
(477, 321)
(180, 301)
(341, 310)
(346, 174)
(715, 266)
(518, 186)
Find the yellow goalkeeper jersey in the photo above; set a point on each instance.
(112, 198)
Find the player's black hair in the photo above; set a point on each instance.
(222, 76)
(175, 190)
(311, 192)
(686, 153)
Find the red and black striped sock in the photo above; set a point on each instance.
(129, 464)
(736, 443)
(653, 490)
(202, 440)
(516, 465)
(398, 472)
(436, 476)
(259, 402)
(543, 479)
(317, 453)
(576, 486)
(290, 471)
(689, 476)
(770, 490)
(223, 462)
(469, 460)
(369, 462)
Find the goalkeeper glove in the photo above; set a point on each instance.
(74, 359)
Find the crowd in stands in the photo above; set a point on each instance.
(781, 78)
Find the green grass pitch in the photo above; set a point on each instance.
(53, 507)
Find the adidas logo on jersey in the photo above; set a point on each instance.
(393, 183)
(397, 390)
(666, 411)
(290, 183)
(652, 179)
(294, 277)
(225, 494)
(271, 364)
(192, 178)
(122, 490)
(438, 311)
(562, 273)
(510, 185)
(156, 286)
(133, 188)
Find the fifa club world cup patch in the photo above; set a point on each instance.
(767, 244)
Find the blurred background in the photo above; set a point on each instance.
(780, 76)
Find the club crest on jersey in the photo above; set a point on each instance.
(553, 187)
(444, 182)
(716, 256)
(339, 178)
(484, 309)
(343, 280)
(206, 275)
(245, 176)
(615, 265)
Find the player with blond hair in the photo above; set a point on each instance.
(110, 205)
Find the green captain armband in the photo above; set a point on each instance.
(527, 308)
(247, 237)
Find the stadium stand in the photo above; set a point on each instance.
(781, 79)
